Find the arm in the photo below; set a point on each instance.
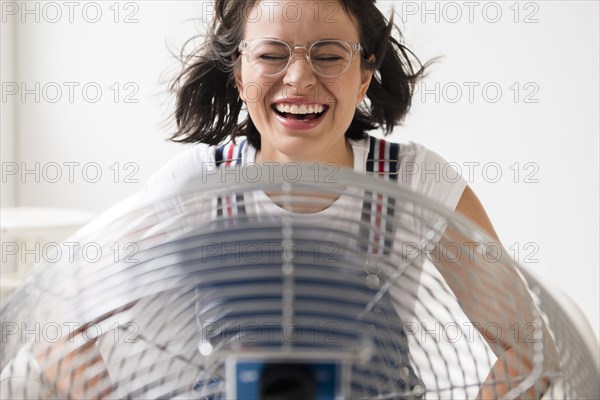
(494, 293)
(74, 368)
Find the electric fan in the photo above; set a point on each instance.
(293, 283)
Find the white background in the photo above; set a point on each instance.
(542, 55)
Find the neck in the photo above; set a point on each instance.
(343, 158)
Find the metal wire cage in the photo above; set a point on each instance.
(306, 286)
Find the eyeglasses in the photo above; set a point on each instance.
(271, 57)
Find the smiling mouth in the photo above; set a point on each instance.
(301, 112)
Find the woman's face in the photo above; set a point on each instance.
(284, 136)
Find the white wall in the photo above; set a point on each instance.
(67, 131)
(7, 109)
(549, 212)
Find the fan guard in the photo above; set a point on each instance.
(194, 288)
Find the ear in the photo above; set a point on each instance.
(365, 80)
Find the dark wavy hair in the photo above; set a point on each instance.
(208, 105)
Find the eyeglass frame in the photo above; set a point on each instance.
(354, 47)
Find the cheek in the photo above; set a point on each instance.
(247, 86)
(349, 95)
(252, 93)
(255, 90)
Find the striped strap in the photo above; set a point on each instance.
(378, 228)
(229, 155)
(377, 209)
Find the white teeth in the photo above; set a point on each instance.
(299, 109)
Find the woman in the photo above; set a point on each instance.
(315, 76)
(303, 71)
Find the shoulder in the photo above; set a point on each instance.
(418, 153)
(428, 173)
(406, 153)
(184, 165)
(197, 160)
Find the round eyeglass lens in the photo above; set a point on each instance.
(327, 57)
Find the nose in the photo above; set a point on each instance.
(299, 71)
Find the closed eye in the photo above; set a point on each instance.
(272, 57)
(328, 58)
